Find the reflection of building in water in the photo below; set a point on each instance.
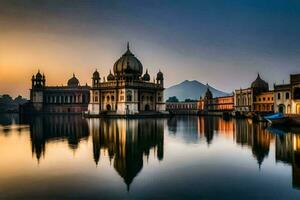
(196, 128)
(284, 148)
(126, 142)
(255, 136)
(172, 125)
(48, 128)
(288, 151)
(208, 126)
(296, 161)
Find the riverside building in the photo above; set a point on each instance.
(127, 91)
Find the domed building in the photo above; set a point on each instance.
(73, 82)
(259, 85)
(255, 99)
(70, 98)
(126, 91)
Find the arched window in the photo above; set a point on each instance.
(107, 98)
(287, 95)
(278, 95)
(112, 98)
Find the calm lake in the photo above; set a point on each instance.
(182, 157)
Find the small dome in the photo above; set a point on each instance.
(128, 64)
(260, 84)
(73, 82)
(146, 76)
(38, 75)
(160, 76)
(96, 75)
(110, 76)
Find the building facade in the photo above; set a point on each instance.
(264, 102)
(282, 98)
(243, 100)
(255, 99)
(207, 105)
(71, 98)
(287, 96)
(182, 108)
(127, 91)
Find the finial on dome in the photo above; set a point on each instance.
(127, 46)
(73, 75)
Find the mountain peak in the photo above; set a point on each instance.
(191, 89)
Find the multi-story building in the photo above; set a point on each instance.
(287, 96)
(282, 98)
(182, 108)
(215, 105)
(72, 98)
(264, 102)
(256, 98)
(243, 100)
(127, 91)
(207, 105)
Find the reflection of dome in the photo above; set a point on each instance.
(260, 84)
(160, 76)
(128, 64)
(73, 82)
(110, 76)
(96, 75)
(146, 76)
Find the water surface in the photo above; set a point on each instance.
(181, 157)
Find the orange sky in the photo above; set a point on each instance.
(225, 45)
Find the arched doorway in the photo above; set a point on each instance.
(147, 107)
(108, 107)
(298, 108)
(281, 108)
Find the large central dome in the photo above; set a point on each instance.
(128, 64)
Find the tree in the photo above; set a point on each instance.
(172, 99)
(190, 100)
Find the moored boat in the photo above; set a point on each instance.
(277, 118)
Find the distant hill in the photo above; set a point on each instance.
(191, 90)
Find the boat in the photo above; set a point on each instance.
(277, 119)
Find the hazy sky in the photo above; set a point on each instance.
(224, 43)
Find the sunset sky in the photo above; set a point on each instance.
(224, 43)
